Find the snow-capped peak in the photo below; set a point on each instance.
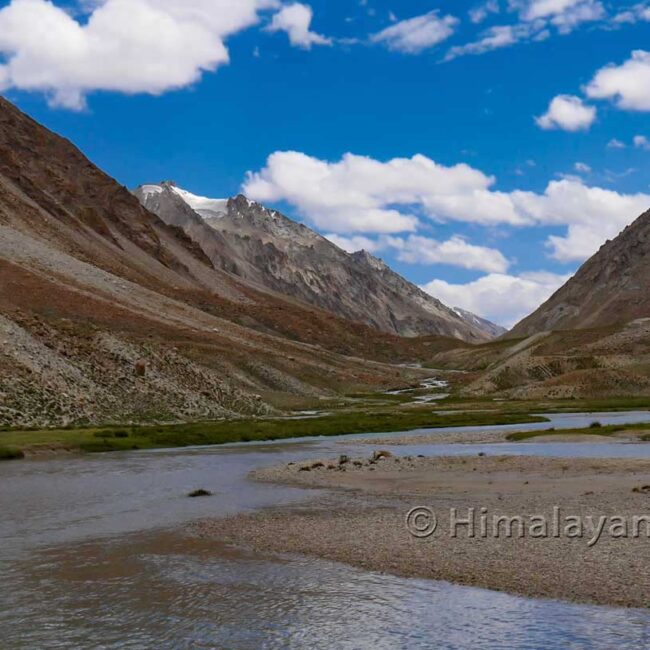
(205, 206)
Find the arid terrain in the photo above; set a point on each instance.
(112, 314)
(108, 314)
(364, 522)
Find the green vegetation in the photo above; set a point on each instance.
(605, 404)
(352, 414)
(220, 432)
(600, 430)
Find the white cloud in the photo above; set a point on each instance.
(641, 142)
(581, 12)
(568, 113)
(638, 13)
(361, 195)
(591, 214)
(537, 20)
(565, 15)
(417, 34)
(295, 19)
(415, 249)
(615, 143)
(544, 8)
(130, 46)
(495, 38)
(501, 298)
(481, 12)
(456, 251)
(355, 243)
(627, 84)
(582, 168)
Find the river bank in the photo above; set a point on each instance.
(362, 414)
(362, 522)
(167, 436)
(109, 533)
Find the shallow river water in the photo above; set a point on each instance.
(91, 556)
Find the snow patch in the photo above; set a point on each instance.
(149, 190)
(205, 206)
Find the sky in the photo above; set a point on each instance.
(483, 149)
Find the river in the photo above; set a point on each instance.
(93, 555)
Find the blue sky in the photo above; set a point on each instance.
(483, 149)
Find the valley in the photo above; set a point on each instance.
(216, 348)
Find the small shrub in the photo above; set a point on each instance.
(11, 453)
(595, 425)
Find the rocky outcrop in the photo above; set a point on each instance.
(610, 289)
(270, 250)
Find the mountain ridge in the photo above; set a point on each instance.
(609, 289)
(267, 248)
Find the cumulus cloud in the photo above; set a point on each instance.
(415, 249)
(501, 298)
(568, 113)
(456, 251)
(130, 46)
(356, 243)
(582, 168)
(295, 19)
(361, 195)
(592, 215)
(417, 34)
(628, 84)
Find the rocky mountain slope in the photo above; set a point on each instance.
(491, 329)
(266, 248)
(611, 288)
(109, 314)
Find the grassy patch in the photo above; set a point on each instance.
(602, 430)
(361, 413)
(221, 432)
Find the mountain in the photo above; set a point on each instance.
(109, 314)
(491, 329)
(264, 247)
(611, 288)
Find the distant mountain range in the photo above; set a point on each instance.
(268, 249)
